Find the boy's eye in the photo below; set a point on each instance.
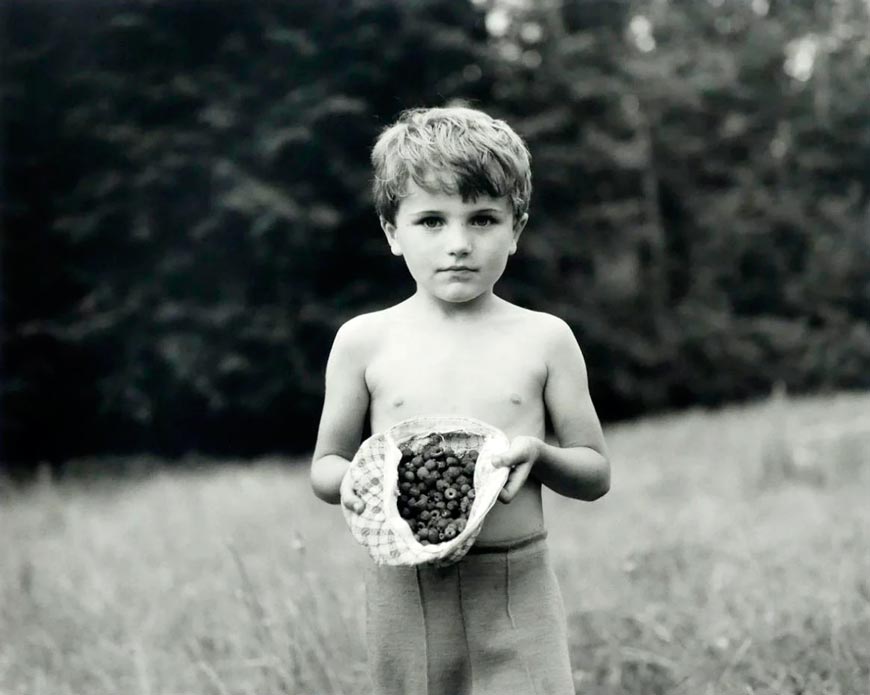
(484, 220)
(430, 222)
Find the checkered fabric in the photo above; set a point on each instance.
(374, 471)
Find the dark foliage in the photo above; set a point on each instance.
(187, 217)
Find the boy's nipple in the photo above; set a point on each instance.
(398, 402)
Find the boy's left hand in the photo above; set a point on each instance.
(520, 457)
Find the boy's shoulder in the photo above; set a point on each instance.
(544, 324)
(363, 327)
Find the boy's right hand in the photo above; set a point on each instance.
(349, 497)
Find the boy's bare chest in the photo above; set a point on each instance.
(493, 376)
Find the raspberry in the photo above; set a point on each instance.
(432, 464)
(464, 505)
(422, 473)
(441, 484)
(450, 493)
(454, 471)
(417, 460)
(433, 535)
(442, 465)
(414, 491)
(409, 475)
(405, 512)
(460, 525)
(404, 486)
(434, 452)
(434, 514)
(470, 495)
(464, 488)
(462, 479)
(438, 496)
(451, 460)
(450, 531)
(424, 515)
(452, 505)
(423, 501)
(472, 454)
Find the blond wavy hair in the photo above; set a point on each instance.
(453, 150)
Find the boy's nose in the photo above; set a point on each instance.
(458, 240)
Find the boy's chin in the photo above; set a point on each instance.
(459, 296)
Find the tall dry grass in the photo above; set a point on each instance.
(716, 564)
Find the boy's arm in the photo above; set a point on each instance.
(345, 405)
(580, 466)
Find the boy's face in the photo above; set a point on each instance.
(455, 250)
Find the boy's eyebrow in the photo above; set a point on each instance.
(472, 212)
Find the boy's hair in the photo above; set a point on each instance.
(451, 150)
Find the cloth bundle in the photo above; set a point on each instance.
(374, 471)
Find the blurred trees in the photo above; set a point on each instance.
(187, 217)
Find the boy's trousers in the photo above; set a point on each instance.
(491, 624)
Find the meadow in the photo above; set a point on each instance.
(731, 556)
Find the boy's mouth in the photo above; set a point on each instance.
(458, 268)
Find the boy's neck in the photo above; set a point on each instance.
(456, 312)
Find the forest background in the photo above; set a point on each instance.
(187, 216)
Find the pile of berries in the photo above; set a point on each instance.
(436, 490)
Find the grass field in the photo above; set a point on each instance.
(716, 565)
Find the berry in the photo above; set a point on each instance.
(432, 464)
(451, 460)
(424, 515)
(464, 488)
(417, 461)
(461, 479)
(450, 531)
(433, 535)
(408, 475)
(434, 452)
(470, 495)
(450, 493)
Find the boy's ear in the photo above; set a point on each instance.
(390, 232)
(519, 226)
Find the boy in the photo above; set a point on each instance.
(452, 189)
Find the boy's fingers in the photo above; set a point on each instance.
(509, 490)
(352, 502)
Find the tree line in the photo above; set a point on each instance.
(187, 215)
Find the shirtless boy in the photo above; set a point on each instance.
(452, 189)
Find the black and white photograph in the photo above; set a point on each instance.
(435, 347)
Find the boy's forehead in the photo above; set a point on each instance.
(418, 198)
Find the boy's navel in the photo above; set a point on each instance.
(516, 398)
